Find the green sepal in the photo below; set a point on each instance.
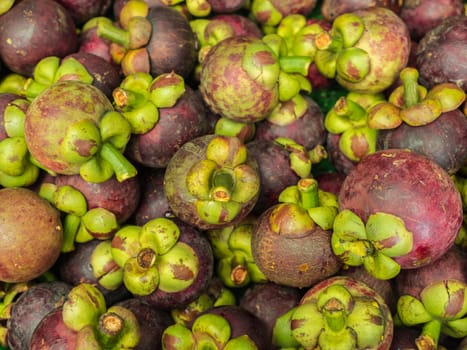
(215, 326)
(323, 216)
(247, 184)
(381, 266)
(83, 132)
(287, 112)
(100, 223)
(14, 156)
(449, 95)
(326, 63)
(282, 336)
(166, 89)
(344, 115)
(71, 69)
(114, 128)
(70, 200)
(140, 280)
(96, 170)
(14, 116)
(104, 268)
(180, 257)
(261, 65)
(180, 335)
(159, 234)
(411, 311)
(289, 86)
(307, 323)
(214, 212)
(389, 235)
(126, 244)
(243, 342)
(445, 300)
(28, 177)
(349, 226)
(45, 70)
(352, 64)
(455, 328)
(349, 27)
(83, 306)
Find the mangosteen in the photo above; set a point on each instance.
(212, 181)
(441, 53)
(31, 306)
(31, 235)
(32, 30)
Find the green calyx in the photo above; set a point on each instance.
(223, 181)
(374, 244)
(261, 64)
(140, 96)
(104, 268)
(337, 54)
(232, 249)
(84, 305)
(413, 104)
(151, 255)
(208, 332)
(81, 224)
(99, 148)
(350, 117)
(116, 328)
(440, 309)
(261, 7)
(337, 319)
(16, 166)
(135, 29)
(51, 69)
(316, 206)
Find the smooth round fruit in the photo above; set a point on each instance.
(30, 235)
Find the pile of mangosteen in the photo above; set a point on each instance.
(291, 173)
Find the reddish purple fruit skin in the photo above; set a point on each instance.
(452, 265)
(32, 30)
(173, 43)
(444, 140)
(414, 188)
(121, 198)
(268, 301)
(105, 74)
(229, 6)
(83, 10)
(296, 259)
(274, 170)
(442, 53)
(176, 126)
(52, 334)
(307, 130)
(30, 233)
(153, 202)
(241, 25)
(423, 15)
(339, 160)
(330, 9)
(29, 309)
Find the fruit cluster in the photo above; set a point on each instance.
(241, 174)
